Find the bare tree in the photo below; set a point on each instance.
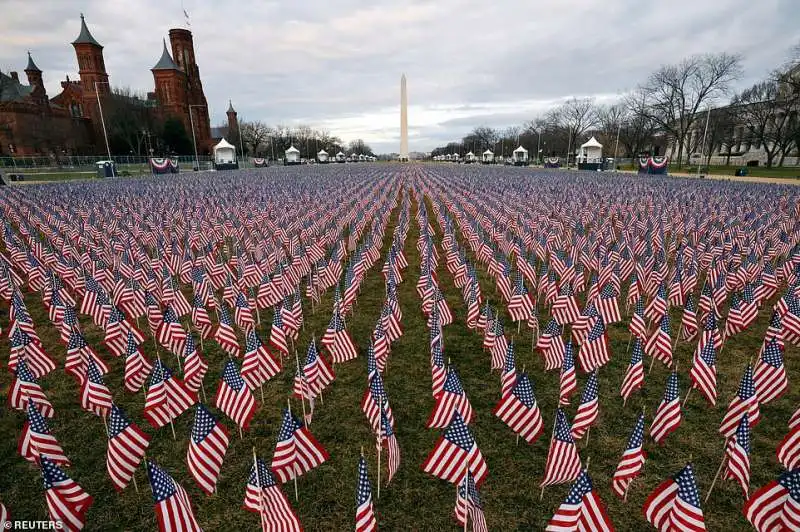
(675, 93)
(766, 114)
(254, 134)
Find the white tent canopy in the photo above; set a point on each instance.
(224, 152)
(488, 156)
(590, 151)
(520, 155)
(322, 156)
(292, 155)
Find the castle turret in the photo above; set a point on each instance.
(92, 70)
(35, 80)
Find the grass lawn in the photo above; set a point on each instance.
(414, 500)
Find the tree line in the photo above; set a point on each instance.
(671, 107)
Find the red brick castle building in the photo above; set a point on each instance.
(70, 123)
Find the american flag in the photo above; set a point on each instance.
(704, 372)
(194, 367)
(744, 402)
(551, 345)
(634, 375)
(789, 449)
(737, 454)
(78, 353)
(568, 383)
(438, 369)
(127, 444)
(469, 506)
(668, 415)
(225, 335)
(200, 318)
(365, 513)
(659, 346)
(172, 505)
(167, 397)
(456, 452)
(137, 367)
(95, 395)
(387, 437)
(689, 320)
(776, 506)
(520, 306)
(632, 461)
(337, 340)
(607, 305)
(264, 496)
(233, 397)
(594, 352)
(657, 308)
(565, 307)
(637, 325)
(5, 517)
(519, 410)
(242, 313)
(297, 451)
(24, 347)
(588, 410)
(380, 346)
(259, 365)
(509, 375)
(376, 401)
(563, 462)
(170, 332)
(675, 504)
(582, 509)
(794, 421)
(318, 373)
(452, 399)
(37, 440)
(207, 447)
(769, 374)
(67, 502)
(25, 387)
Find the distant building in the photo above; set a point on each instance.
(31, 123)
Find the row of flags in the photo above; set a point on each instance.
(596, 255)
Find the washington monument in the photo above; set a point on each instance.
(403, 119)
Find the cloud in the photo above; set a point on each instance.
(336, 63)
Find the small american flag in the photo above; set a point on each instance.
(37, 440)
(668, 415)
(659, 346)
(594, 352)
(551, 345)
(25, 387)
(95, 395)
(137, 367)
(194, 367)
(259, 365)
(337, 340)
(264, 496)
(297, 451)
(127, 444)
(588, 410)
(744, 402)
(769, 374)
(233, 397)
(634, 375)
(452, 399)
(225, 335)
(738, 456)
(632, 461)
(509, 375)
(387, 437)
(172, 505)
(568, 383)
(365, 513)
(582, 509)
(776, 506)
(789, 449)
(170, 332)
(207, 447)
(519, 410)
(563, 463)
(469, 506)
(675, 504)
(67, 502)
(704, 372)
(454, 453)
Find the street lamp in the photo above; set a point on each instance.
(194, 139)
(103, 122)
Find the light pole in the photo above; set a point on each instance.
(103, 123)
(538, 146)
(703, 147)
(194, 138)
(616, 145)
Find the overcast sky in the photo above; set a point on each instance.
(337, 63)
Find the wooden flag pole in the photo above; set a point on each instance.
(686, 399)
(302, 398)
(630, 339)
(380, 449)
(552, 435)
(466, 492)
(294, 465)
(719, 470)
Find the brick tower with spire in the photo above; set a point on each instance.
(92, 71)
(233, 125)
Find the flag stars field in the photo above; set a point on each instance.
(129, 300)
